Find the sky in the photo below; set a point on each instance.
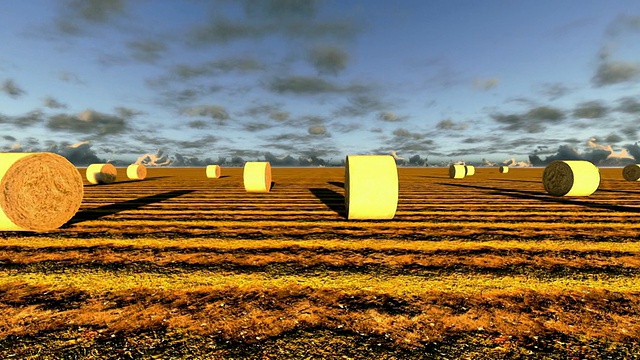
(307, 82)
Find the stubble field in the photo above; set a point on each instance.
(181, 266)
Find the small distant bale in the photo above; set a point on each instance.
(370, 186)
(469, 170)
(457, 171)
(40, 191)
(504, 169)
(136, 172)
(257, 176)
(571, 178)
(631, 172)
(101, 173)
(213, 171)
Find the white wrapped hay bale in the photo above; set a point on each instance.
(40, 191)
(136, 172)
(631, 172)
(504, 169)
(257, 176)
(370, 187)
(101, 173)
(469, 170)
(571, 178)
(213, 171)
(457, 171)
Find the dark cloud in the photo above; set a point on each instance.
(614, 72)
(27, 120)
(88, 122)
(281, 10)
(52, 103)
(629, 105)
(631, 132)
(127, 113)
(147, 51)
(553, 91)
(204, 142)
(624, 23)
(590, 110)
(317, 130)
(256, 126)
(634, 150)
(220, 31)
(531, 121)
(390, 117)
(303, 85)
(361, 105)
(10, 88)
(9, 138)
(376, 130)
(191, 161)
(328, 59)
(598, 155)
(239, 64)
(198, 124)
(76, 12)
(612, 139)
(80, 154)
(448, 124)
(215, 112)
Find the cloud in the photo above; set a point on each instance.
(52, 103)
(238, 64)
(622, 24)
(615, 72)
(600, 155)
(361, 105)
(10, 88)
(629, 105)
(256, 126)
(485, 84)
(220, 31)
(631, 133)
(198, 124)
(303, 85)
(531, 121)
(328, 59)
(203, 142)
(634, 150)
(215, 112)
(154, 160)
(8, 138)
(147, 51)
(590, 110)
(79, 154)
(448, 124)
(390, 117)
(27, 120)
(127, 113)
(70, 78)
(553, 91)
(76, 12)
(88, 122)
(317, 130)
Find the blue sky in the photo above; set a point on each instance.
(190, 82)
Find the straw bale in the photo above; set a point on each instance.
(136, 172)
(457, 171)
(213, 171)
(504, 169)
(101, 173)
(370, 186)
(257, 176)
(469, 170)
(631, 172)
(571, 178)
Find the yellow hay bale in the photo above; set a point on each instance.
(40, 191)
(457, 171)
(257, 176)
(631, 172)
(504, 169)
(571, 178)
(370, 187)
(136, 171)
(469, 170)
(213, 171)
(101, 173)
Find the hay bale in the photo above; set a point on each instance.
(631, 172)
(136, 171)
(213, 171)
(370, 187)
(457, 171)
(571, 178)
(257, 176)
(40, 191)
(101, 173)
(504, 169)
(469, 170)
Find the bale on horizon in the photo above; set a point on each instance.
(457, 171)
(469, 170)
(136, 171)
(631, 172)
(213, 171)
(504, 169)
(101, 173)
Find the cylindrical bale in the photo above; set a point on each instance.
(469, 170)
(101, 173)
(136, 172)
(370, 187)
(631, 172)
(257, 176)
(504, 169)
(213, 171)
(457, 171)
(39, 191)
(571, 178)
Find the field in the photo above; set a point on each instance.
(181, 266)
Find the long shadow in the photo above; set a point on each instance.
(620, 191)
(435, 177)
(538, 195)
(223, 176)
(515, 180)
(128, 181)
(339, 184)
(96, 213)
(334, 200)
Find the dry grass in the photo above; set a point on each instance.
(487, 266)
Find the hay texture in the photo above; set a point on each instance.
(101, 173)
(370, 187)
(39, 191)
(213, 171)
(470, 170)
(571, 178)
(504, 169)
(457, 171)
(631, 172)
(257, 176)
(136, 172)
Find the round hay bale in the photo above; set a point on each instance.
(457, 171)
(469, 170)
(370, 187)
(631, 172)
(40, 191)
(101, 173)
(257, 176)
(571, 178)
(504, 169)
(213, 171)
(136, 171)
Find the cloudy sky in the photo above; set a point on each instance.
(193, 81)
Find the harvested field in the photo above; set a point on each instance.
(181, 266)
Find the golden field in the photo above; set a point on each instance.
(182, 266)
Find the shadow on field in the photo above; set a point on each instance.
(510, 180)
(339, 184)
(106, 210)
(620, 191)
(334, 200)
(223, 176)
(538, 195)
(128, 181)
(273, 184)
